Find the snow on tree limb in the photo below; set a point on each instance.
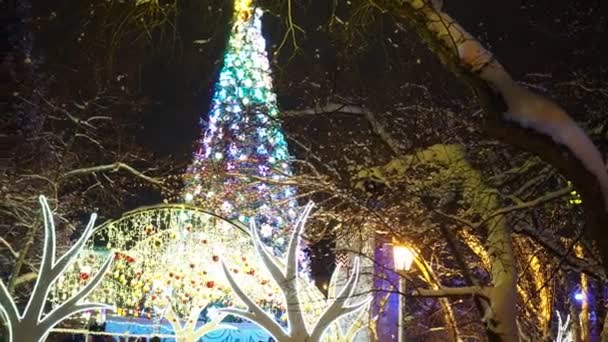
(515, 114)
(14, 253)
(524, 107)
(552, 244)
(114, 167)
(32, 325)
(332, 107)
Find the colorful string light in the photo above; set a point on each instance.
(242, 156)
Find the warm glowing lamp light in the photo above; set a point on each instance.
(403, 257)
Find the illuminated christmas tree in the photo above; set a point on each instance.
(242, 157)
(168, 256)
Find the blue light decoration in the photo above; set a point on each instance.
(144, 327)
(242, 160)
(579, 296)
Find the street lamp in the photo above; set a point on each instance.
(403, 257)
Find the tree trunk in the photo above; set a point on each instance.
(502, 316)
(503, 297)
(583, 316)
(31, 234)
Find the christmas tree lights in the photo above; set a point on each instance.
(168, 257)
(242, 157)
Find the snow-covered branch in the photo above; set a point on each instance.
(551, 244)
(114, 167)
(550, 196)
(515, 114)
(376, 125)
(451, 160)
(525, 108)
(24, 278)
(329, 108)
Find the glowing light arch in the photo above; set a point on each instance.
(168, 265)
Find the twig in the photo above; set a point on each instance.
(112, 168)
(10, 248)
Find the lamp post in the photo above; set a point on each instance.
(403, 257)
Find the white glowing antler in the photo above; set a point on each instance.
(188, 332)
(287, 281)
(31, 325)
(564, 333)
(336, 333)
(339, 307)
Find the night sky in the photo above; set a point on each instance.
(528, 37)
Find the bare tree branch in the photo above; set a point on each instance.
(554, 247)
(332, 107)
(453, 291)
(114, 167)
(10, 248)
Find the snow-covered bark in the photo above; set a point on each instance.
(500, 316)
(546, 117)
(529, 121)
(523, 106)
(33, 324)
(287, 280)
